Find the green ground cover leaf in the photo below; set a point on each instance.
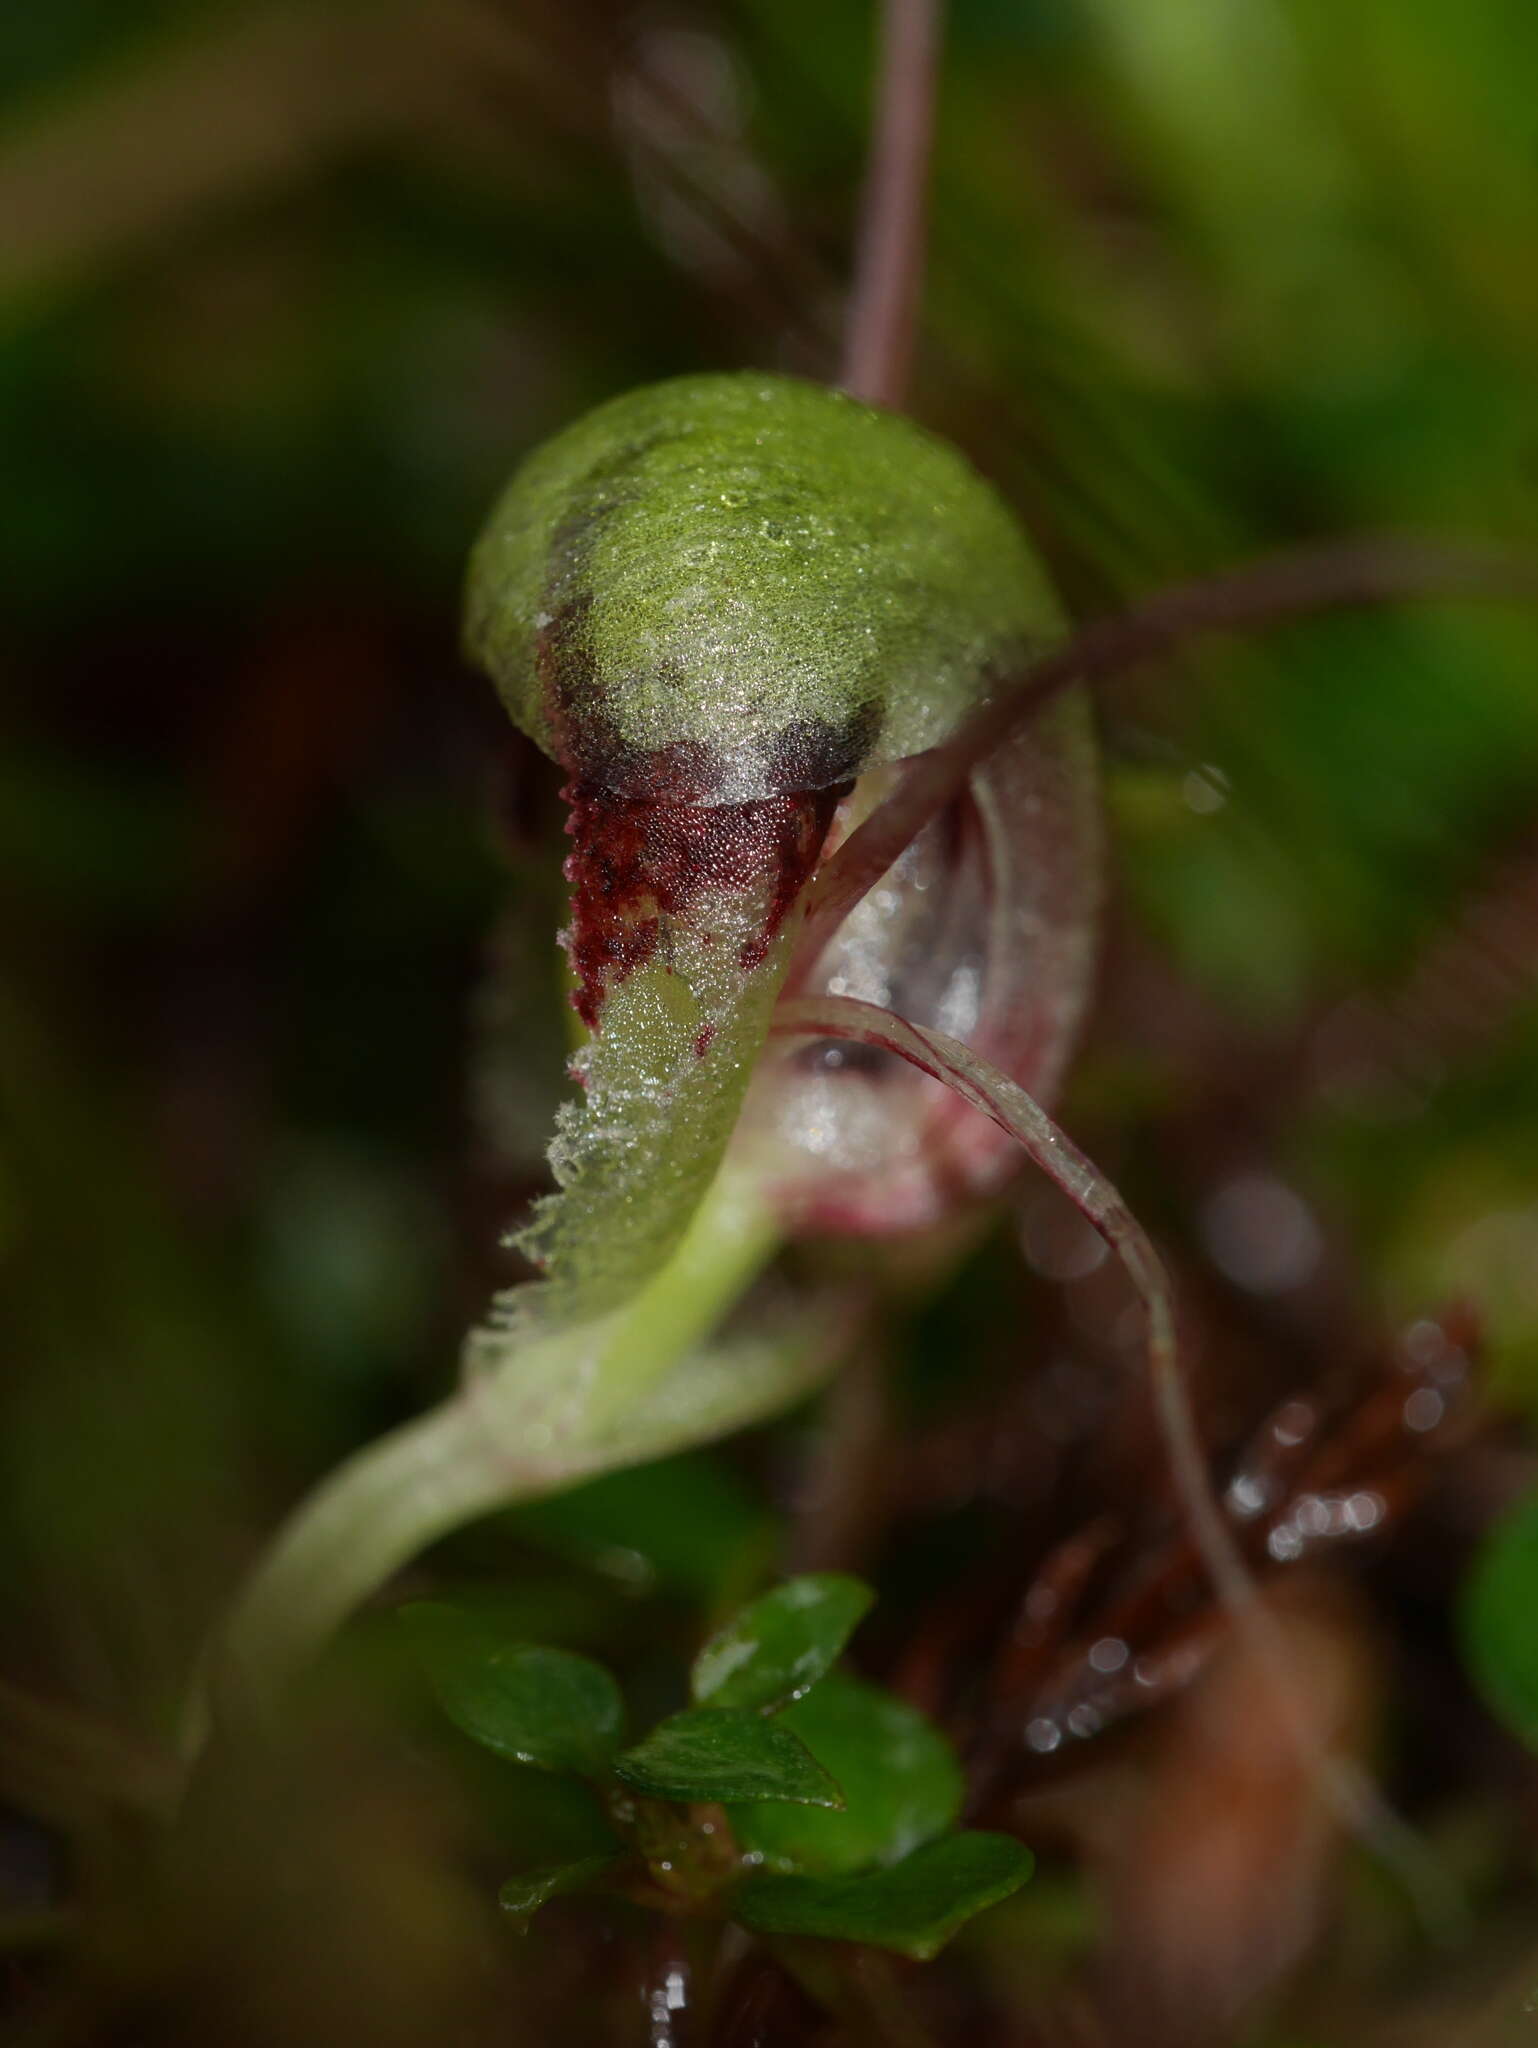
(523, 1894)
(901, 1782)
(1500, 1619)
(538, 1706)
(913, 1906)
(720, 1753)
(777, 1648)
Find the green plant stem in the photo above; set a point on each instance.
(572, 1404)
(732, 1238)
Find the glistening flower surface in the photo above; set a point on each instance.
(717, 602)
(984, 928)
(724, 588)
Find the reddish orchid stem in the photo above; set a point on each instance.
(1255, 598)
(883, 308)
(976, 1081)
(1014, 1111)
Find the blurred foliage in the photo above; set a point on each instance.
(286, 287)
(1499, 1606)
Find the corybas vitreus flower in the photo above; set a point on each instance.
(718, 603)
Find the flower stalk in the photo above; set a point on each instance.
(571, 1404)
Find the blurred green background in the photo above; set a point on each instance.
(286, 290)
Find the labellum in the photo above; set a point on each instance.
(719, 603)
(982, 929)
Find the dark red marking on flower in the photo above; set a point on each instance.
(637, 868)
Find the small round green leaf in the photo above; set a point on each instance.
(719, 1753)
(686, 1523)
(522, 1896)
(538, 1706)
(914, 1906)
(901, 1782)
(776, 1649)
(1500, 1619)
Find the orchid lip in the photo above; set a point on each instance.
(981, 929)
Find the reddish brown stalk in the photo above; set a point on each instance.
(1256, 598)
(883, 306)
(946, 1059)
(1009, 1106)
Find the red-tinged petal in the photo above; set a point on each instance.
(984, 928)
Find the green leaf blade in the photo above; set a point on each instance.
(533, 1705)
(912, 1907)
(1500, 1620)
(777, 1648)
(901, 1783)
(524, 1893)
(720, 1753)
